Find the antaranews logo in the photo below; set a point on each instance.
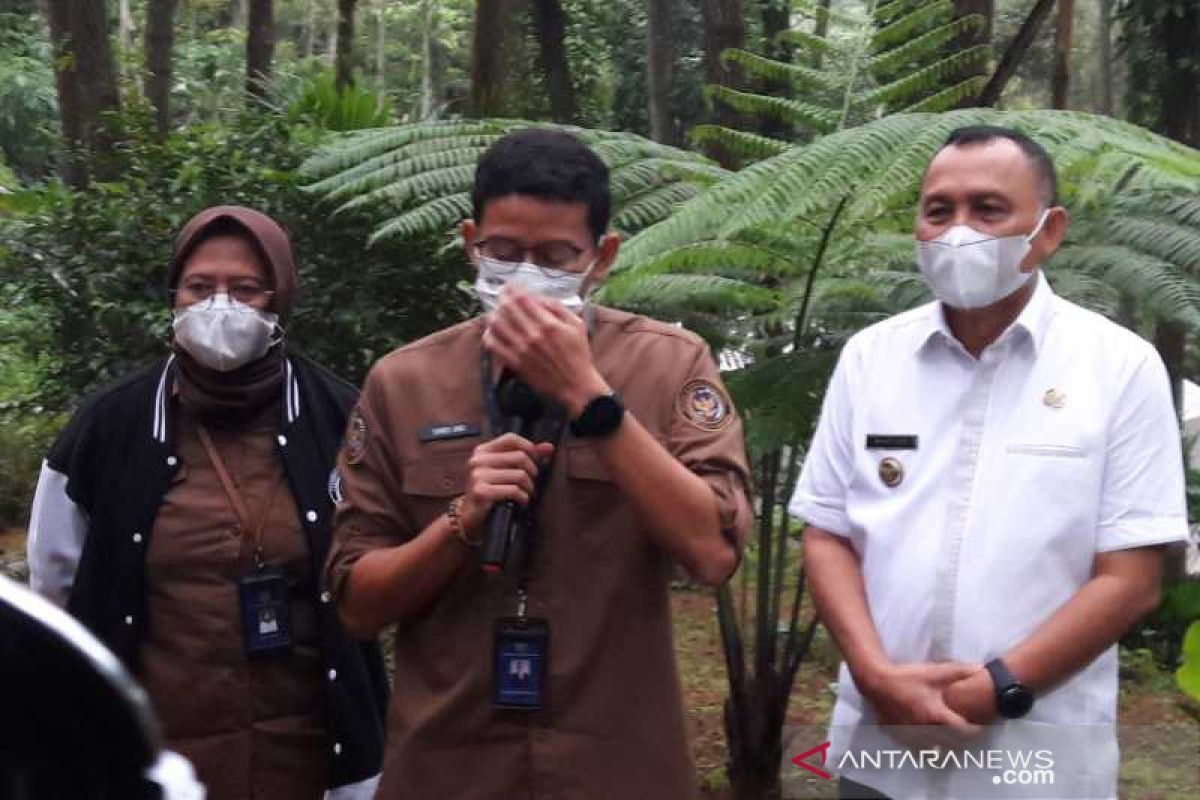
(1019, 768)
(823, 749)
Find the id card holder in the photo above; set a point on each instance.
(522, 657)
(266, 613)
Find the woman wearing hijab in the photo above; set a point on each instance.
(184, 516)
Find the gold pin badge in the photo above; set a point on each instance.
(891, 472)
(1054, 398)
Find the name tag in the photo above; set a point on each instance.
(450, 430)
(878, 441)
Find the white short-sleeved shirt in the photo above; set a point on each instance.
(1059, 442)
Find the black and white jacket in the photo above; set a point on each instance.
(99, 492)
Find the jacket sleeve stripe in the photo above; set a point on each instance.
(362, 790)
(57, 529)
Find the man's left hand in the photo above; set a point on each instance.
(546, 346)
(973, 697)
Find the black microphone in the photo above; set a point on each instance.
(521, 408)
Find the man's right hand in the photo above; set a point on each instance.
(912, 694)
(501, 469)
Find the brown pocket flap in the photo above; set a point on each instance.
(439, 476)
(582, 462)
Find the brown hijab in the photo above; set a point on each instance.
(231, 399)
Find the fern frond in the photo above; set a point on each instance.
(925, 79)
(1160, 286)
(422, 186)
(432, 217)
(798, 75)
(652, 206)
(911, 25)
(706, 293)
(918, 48)
(793, 112)
(950, 97)
(749, 146)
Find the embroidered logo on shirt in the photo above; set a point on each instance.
(356, 438)
(334, 486)
(704, 405)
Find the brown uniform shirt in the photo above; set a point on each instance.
(612, 723)
(253, 729)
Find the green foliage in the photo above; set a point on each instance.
(890, 56)
(319, 103)
(416, 179)
(1188, 675)
(28, 104)
(89, 266)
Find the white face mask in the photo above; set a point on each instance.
(566, 287)
(223, 334)
(968, 269)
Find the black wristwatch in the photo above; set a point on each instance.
(601, 417)
(1013, 698)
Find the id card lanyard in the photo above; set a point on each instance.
(235, 499)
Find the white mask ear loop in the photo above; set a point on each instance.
(1038, 228)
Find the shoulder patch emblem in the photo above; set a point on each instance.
(334, 486)
(356, 437)
(703, 404)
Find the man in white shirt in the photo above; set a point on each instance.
(992, 483)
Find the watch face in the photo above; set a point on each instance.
(607, 413)
(1015, 701)
(601, 417)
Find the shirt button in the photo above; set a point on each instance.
(333, 674)
(337, 748)
(137, 538)
(128, 620)
(310, 515)
(282, 440)
(172, 461)
(326, 597)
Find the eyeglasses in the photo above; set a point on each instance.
(557, 255)
(243, 292)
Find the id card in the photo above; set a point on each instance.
(266, 614)
(522, 658)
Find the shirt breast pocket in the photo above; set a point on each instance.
(430, 482)
(594, 511)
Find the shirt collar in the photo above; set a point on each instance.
(1032, 322)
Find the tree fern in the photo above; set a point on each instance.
(889, 58)
(418, 177)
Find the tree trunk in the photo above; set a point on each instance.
(310, 28)
(1020, 44)
(238, 15)
(550, 24)
(1062, 53)
(488, 44)
(260, 47)
(87, 89)
(821, 29)
(776, 18)
(125, 30)
(344, 67)
(974, 38)
(660, 62)
(160, 43)
(724, 28)
(428, 89)
(1106, 105)
(381, 51)
(1181, 86)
